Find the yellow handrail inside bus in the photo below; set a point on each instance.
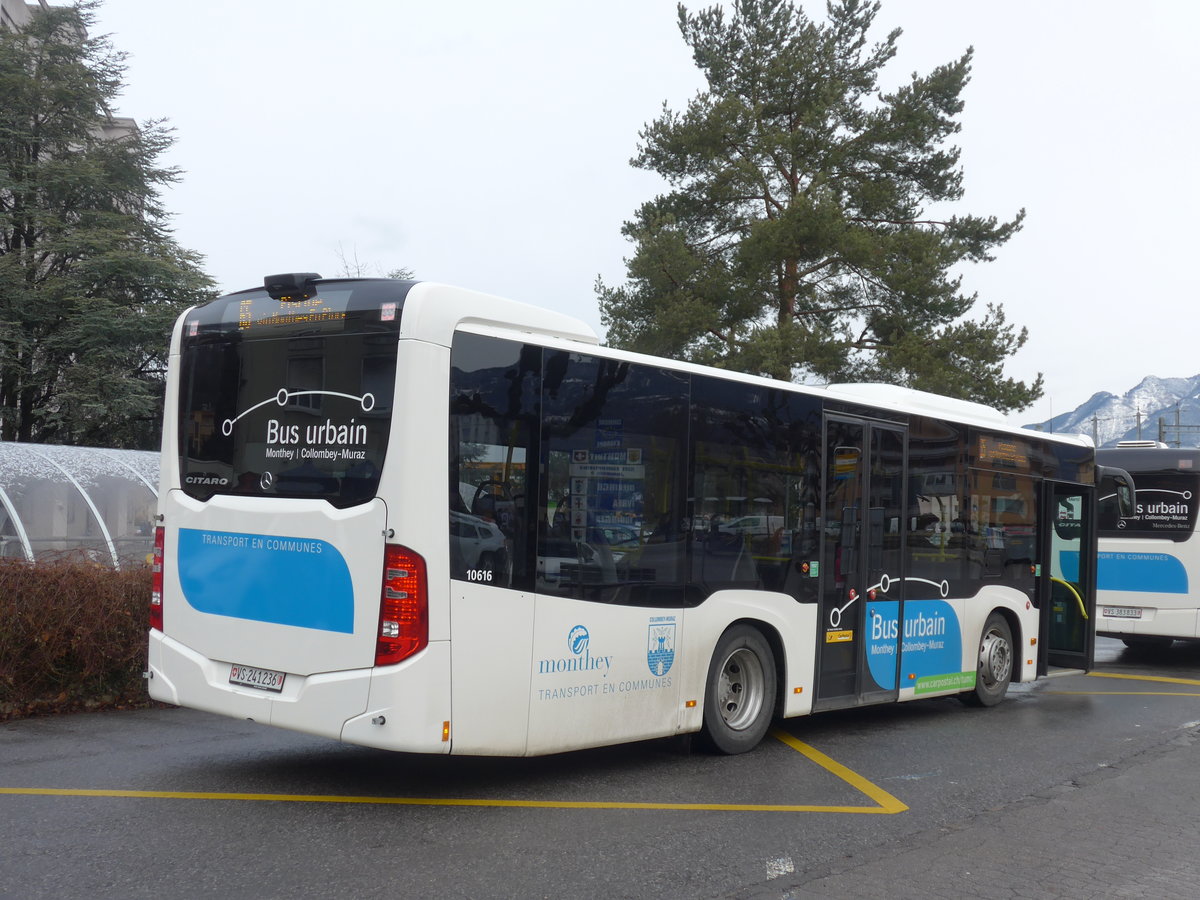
(1074, 593)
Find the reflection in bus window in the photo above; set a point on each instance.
(755, 488)
(493, 415)
(613, 526)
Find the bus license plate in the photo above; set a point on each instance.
(1123, 612)
(262, 679)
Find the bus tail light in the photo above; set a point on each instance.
(403, 606)
(156, 579)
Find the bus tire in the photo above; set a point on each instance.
(739, 695)
(995, 665)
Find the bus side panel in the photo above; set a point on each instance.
(602, 674)
(795, 623)
(925, 668)
(1026, 615)
(409, 705)
(938, 641)
(492, 648)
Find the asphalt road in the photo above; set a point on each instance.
(1077, 786)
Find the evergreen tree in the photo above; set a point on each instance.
(91, 279)
(804, 234)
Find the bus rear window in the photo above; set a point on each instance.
(1165, 507)
(286, 412)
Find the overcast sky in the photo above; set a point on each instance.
(486, 145)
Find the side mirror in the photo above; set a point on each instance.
(1119, 484)
(1125, 496)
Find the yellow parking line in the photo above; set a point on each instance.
(1160, 678)
(887, 804)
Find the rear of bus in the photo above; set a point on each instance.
(283, 594)
(1148, 560)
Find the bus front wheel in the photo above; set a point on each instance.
(739, 695)
(995, 663)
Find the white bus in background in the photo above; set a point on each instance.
(1149, 562)
(410, 516)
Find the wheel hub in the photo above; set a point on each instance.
(995, 658)
(741, 689)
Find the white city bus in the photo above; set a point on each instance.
(1148, 561)
(410, 516)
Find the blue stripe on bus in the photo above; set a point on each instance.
(1152, 573)
(303, 582)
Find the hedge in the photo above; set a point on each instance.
(72, 636)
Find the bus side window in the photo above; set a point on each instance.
(614, 461)
(755, 488)
(493, 416)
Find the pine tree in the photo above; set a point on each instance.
(91, 278)
(806, 234)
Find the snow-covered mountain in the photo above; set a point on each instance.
(1158, 404)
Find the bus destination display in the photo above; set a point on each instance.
(263, 312)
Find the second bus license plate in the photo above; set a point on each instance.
(1123, 612)
(262, 679)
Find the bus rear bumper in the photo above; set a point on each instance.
(1150, 621)
(392, 708)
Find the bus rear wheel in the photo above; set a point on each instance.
(739, 695)
(995, 663)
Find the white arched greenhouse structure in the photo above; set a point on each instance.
(62, 501)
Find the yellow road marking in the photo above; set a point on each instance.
(1160, 678)
(886, 803)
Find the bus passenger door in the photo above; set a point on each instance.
(863, 535)
(1067, 586)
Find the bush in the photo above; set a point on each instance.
(72, 636)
